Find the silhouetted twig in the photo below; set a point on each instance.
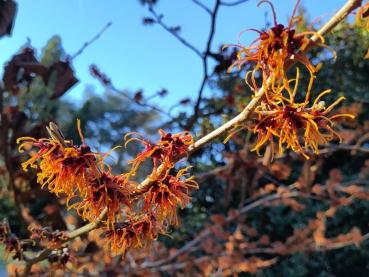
(196, 110)
(203, 6)
(158, 19)
(92, 40)
(232, 4)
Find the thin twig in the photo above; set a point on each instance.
(203, 6)
(92, 40)
(139, 103)
(205, 79)
(333, 147)
(232, 4)
(158, 19)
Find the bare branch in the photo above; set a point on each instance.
(232, 4)
(203, 6)
(159, 20)
(333, 147)
(205, 65)
(143, 104)
(92, 40)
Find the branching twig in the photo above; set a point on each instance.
(196, 110)
(203, 6)
(333, 147)
(203, 55)
(158, 19)
(140, 103)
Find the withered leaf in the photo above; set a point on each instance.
(8, 9)
(65, 78)
(138, 96)
(21, 69)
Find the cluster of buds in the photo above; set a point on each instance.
(13, 245)
(51, 239)
(83, 177)
(279, 119)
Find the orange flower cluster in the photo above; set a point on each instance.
(106, 190)
(279, 118)
(161, 197)
(275, 48)
(295, 126)
(63, 168)
(165, 152)
(166, 193)
(90, 187)
(362, 20)
(73, 171)
(136, 232)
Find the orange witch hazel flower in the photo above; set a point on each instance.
(107, 191)
(135, 232)
(64, 167)
(78, 173)
(275, 47)
(294, 125)
(165, 194)
(165, 151)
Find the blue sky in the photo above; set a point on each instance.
(137, 56)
